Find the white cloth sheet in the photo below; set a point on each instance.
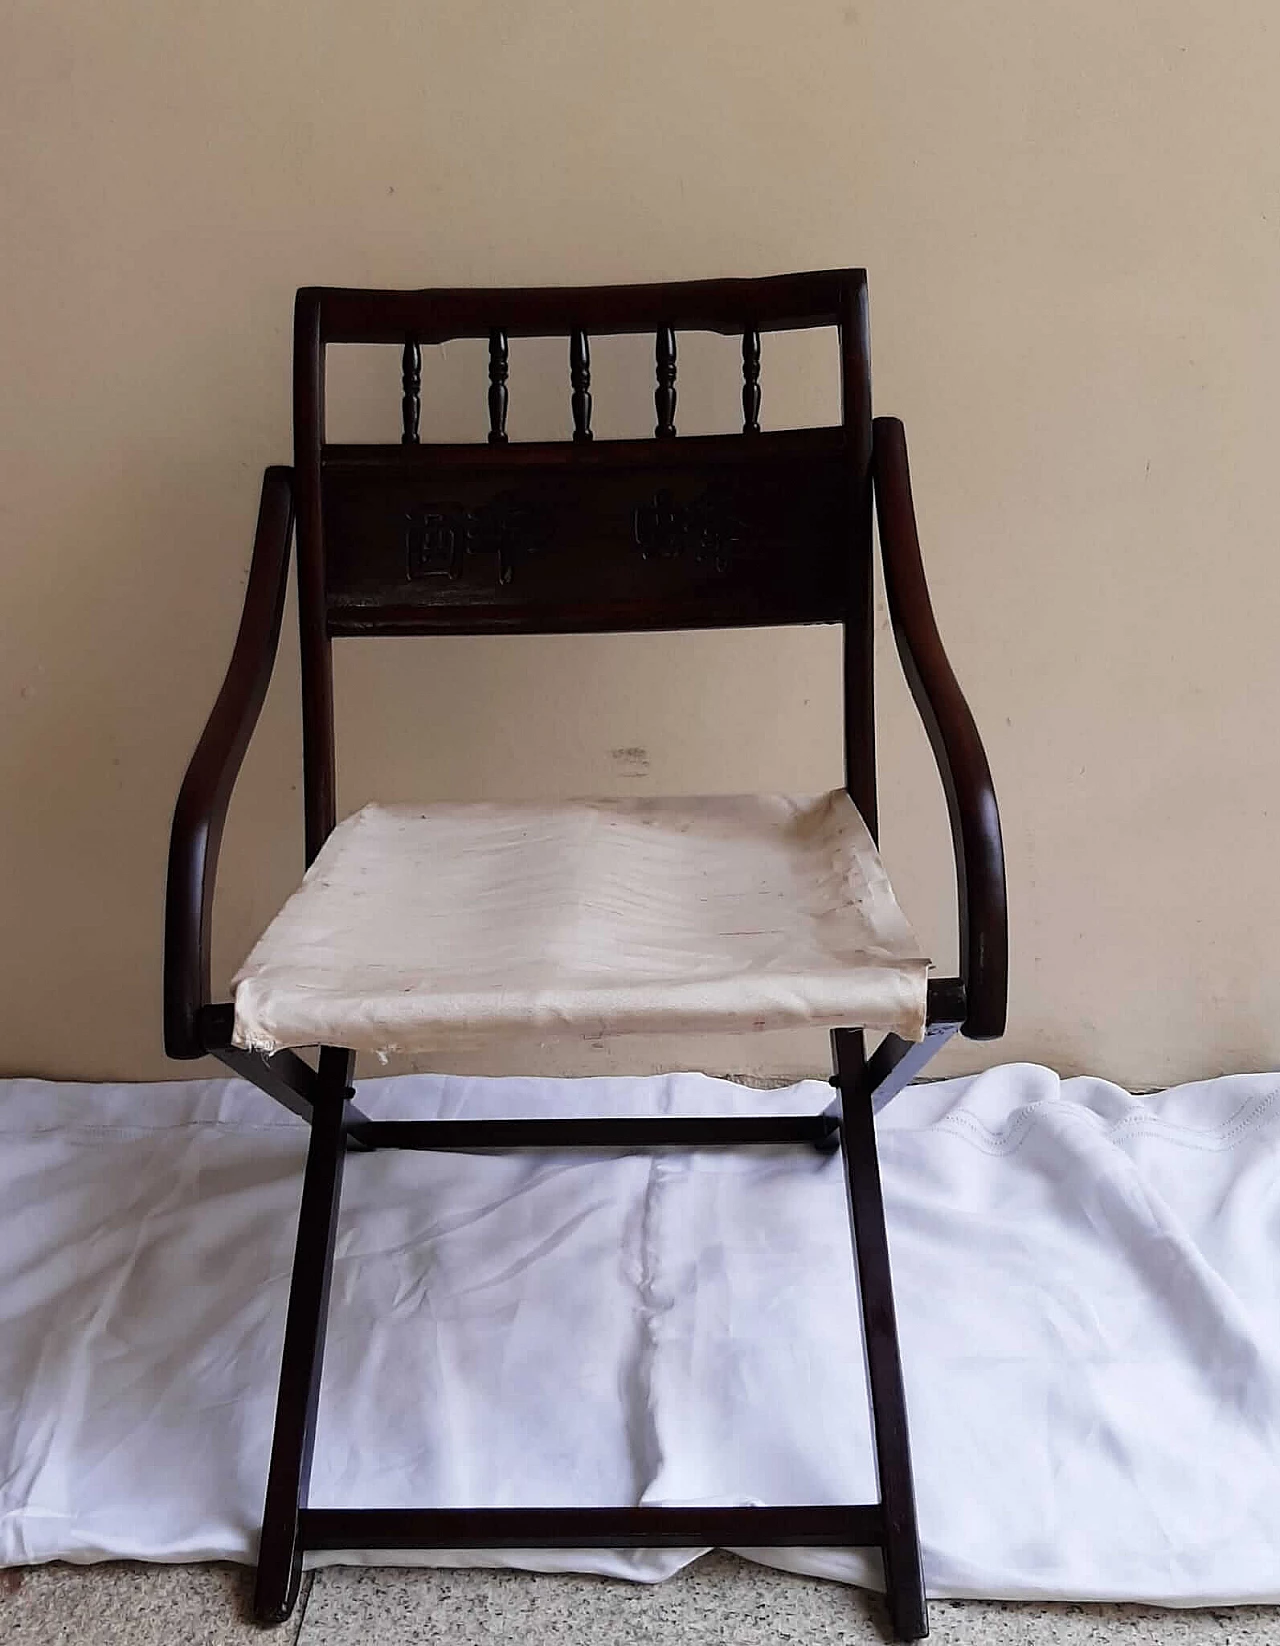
(424, 927)
(1088, 1287)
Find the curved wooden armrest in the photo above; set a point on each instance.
(957, 748)
(206, 790)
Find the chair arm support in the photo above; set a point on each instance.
(953, 736)
(206, 789)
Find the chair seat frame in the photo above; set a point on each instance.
(972, 1003)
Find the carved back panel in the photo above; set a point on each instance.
(754, 528)
(607, 535)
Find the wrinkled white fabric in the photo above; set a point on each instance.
(424, 927)
(1088, 1290)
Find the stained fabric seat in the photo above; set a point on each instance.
(421, 927)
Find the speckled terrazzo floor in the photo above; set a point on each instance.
(718, 1599)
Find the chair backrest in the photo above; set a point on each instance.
(749, 529)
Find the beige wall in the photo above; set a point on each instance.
(1070, 215)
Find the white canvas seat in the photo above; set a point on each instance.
(418, 927)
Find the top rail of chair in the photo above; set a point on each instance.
(435, 315)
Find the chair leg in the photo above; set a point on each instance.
(279, 1555)
(904, 1580)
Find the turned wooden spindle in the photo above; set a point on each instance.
(411, 384)
(580, 381)
(664, 398)
(751, 382)
(498, 356)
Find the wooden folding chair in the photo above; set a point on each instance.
(748, 529)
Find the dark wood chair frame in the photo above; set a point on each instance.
(747, 529)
